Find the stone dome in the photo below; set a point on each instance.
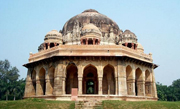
(90, 31)
(90, 16)
(129, 37)
(90, 26)
(140, 47)
(53, 36)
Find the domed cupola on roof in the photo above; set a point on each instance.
(129, 39)
(52, 38)
(72, 28)
(140, 48)
(90, 35)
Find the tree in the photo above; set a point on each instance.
(10, 87)
(169, 93)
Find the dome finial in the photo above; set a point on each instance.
(90, 10)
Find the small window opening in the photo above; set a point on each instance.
(51, 45)
(90, 42)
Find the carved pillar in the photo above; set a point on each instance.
(148, 88)
(47, 87)
(141, 88)
(48, 45)
(154, 90)
(59, 79)
(63, 85)
(99, 41)
(86, 41)
(94, 41)
(44, 46)
(38, 87)
(136, 46)
(29, 86)
(81, 41)
(133, 82)
(132, 45)
(100, 86)
(55, 44)
(80, 85)
(121, 70)
(116, 85)
(126, 44)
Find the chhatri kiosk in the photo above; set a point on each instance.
(94, 57)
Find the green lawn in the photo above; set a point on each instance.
(45, 104)
(36, 104)
(140, 105)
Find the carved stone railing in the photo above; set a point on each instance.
(90, 50)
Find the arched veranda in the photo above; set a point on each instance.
(108, 84)
(71, 78)
(90, 80)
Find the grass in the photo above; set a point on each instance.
(33, 103)
(140, 105)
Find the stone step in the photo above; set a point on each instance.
(88, 104)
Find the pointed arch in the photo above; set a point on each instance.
(42, 88)
(148, 80)
(90, 80)
(108, 84)
(71, 77)
(129, 80)
(138, 79)
(33, 78)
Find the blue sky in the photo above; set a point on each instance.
(156, 23)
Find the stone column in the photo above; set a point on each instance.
(136, 46)
(126, 44)
(116, 85)
(133, 82)
(132, 45)
(141, 88)
(150, 88)
(81, 41)
(44, 46)
(55, 44)
(94, 41)
(121, 73)
(28, 86)
(63, 86)
(100, 86)
(86, 41)
(80, 85)
(58, 80)
(154, 90)
(38, 87)
(48, 45)
(99, 41)
(47, 87)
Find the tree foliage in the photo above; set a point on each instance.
(10, 87)
(169, 93)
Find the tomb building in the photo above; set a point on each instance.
(92, 56)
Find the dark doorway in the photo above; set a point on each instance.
(90, 87)
(90, 80)
(136, 89)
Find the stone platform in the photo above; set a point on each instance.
(99, 97)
